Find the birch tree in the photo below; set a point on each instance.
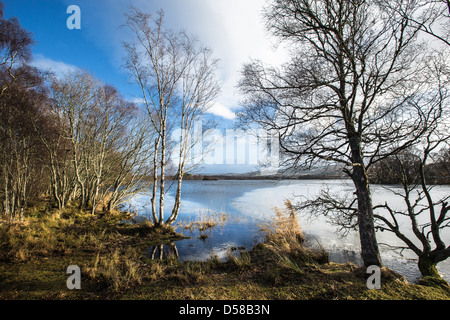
(175, 74)
(72, 98)
(107, 146)
(22, 98)
(130, 165)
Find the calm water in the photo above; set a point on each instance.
(248, 204)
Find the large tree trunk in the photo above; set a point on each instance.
(427, 266)
(369, 245)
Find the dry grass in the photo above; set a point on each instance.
(241, 260)
(112, 257)
(285, 224)
(118, 270)
(285, 238)
(205, 220)
(34, 238)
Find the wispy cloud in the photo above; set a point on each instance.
(138, 101)
(233, 29)
(58, 68)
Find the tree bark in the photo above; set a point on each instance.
(162, 190)
(369, 245)
(176, 208)
(427, 266)
(155, 182)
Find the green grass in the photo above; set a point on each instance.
(34, 257)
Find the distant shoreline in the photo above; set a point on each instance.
(240, 177)
(262, 177)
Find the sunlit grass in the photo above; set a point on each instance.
(285, 238)
(205, 220)
(113, 259)
(118, 270)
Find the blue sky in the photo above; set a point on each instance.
(233, 29)
(61, 49)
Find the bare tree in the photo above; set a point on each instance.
(349, 95)
(198, 90)
(73, 98)
(431, 17)
(428, 218)
(176, 76)
(20, 108)
(81, 140)
(58, 150)
(22, 99)
(421, 221)
(15, 50)
(129, 166)
(108, 144)
(427, 213)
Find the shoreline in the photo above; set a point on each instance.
(260, 177)
(114, 263)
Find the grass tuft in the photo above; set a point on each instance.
(285, 238)
(205, 220)
(118, 270)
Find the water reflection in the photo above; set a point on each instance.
(248, 203)
(163, 251)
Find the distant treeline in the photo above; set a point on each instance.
(407, 165)
(262, 177)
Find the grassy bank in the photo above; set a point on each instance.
(113, 259)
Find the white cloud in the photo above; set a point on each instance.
(59, 68)
(217, 108)
(137, 101)
(221, 110)
(233, 29)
